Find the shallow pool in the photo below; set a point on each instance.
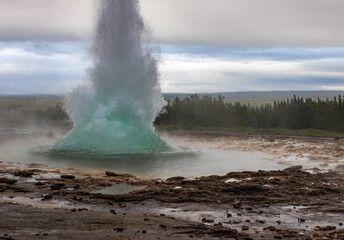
(187, 161)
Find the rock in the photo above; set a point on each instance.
(244, 228)
(66, 176)
(146, 219)
(327, 228)
(207, 220)
(271, 228)
(76, 187)
(237, 205)
(39, 183)
(23, 173)
(8, 181)
(340, 167)
(163, 215)
(185, 181)
(111, 174)
(57, 186)
(278, 222)
(301, 220)
(47, 196)
(229, 215)
(82, 209)
(119, 229)
(293, 168)
(113, 211)
(162, 226)
(77, 198)
(178, 178)
(122, 205)
(144, 231)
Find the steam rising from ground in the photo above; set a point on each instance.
(114, 114)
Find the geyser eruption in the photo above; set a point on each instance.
(114, 113)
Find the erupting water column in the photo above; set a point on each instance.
(114, 114)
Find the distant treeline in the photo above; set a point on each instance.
(292, 113)
(206, 111)
(17, 115)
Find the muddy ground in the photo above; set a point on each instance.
(42, 202)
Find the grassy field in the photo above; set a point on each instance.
(264, 131)
(29, 102)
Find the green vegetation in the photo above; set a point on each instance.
(24, 110)
(290, 116)
(294, 113)
(29, 102)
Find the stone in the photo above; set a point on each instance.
(57, 186)
(244, 228)
(113, 211)
(301, 220)
(66, 176)
(178, 178)
(111, 174)
(293, 168)
(39, 183)
(82, 209)
(207, 220)
(8, 181)
(47, 196)
(23, 173)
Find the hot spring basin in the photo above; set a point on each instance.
(189, 162)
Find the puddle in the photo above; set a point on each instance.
(119, 189)
(288, 216)
(46, 176)
(294, 158)
(37, 202)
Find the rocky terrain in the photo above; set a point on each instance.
(41, 202)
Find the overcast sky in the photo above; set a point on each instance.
(206, 45)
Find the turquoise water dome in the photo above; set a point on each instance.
(114, 111)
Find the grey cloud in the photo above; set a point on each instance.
(47, 19)
(221, 22)
(248, 22)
